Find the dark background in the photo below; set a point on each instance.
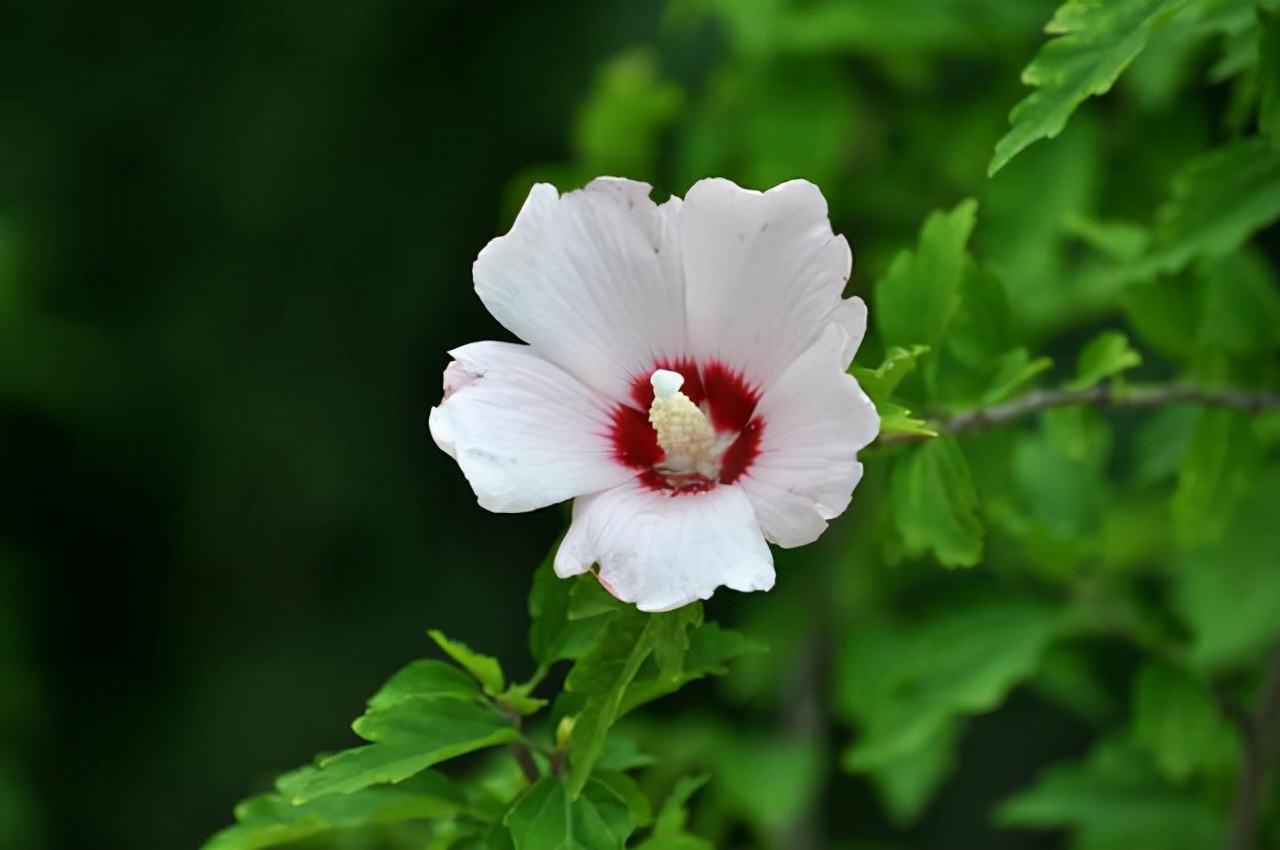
(235, 244)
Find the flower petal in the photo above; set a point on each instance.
(662, 551)
(851, 314)
(816, 419)
(525, 433)
(764, 273)
(592, 280)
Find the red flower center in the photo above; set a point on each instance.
(729, 404)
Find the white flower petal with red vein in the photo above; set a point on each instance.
(817, 419)
(764, 273)
(592, 280)
(751, 432)
(525, 433)
(662, 551)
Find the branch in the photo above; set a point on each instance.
(1261, 739)
(1108, 395)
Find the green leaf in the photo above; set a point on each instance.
(982, 327)
(1217, 471)
(1108, 354)
(1096, 40)
(545, 818)
(909, 782)
(553, 634)
(1228, 593)
(1240, 305)
(935, 504)
(903, 683)
(668, 828)
(920, 292)
(896, 419)
(768, 781)
(270, 820)
(709, 651)
(1115, 800)
(485, 668)
(879, 383)
(603, 674)
(1014, 370)
(618, 129)
(1218, 201)
(407, 737)
(1177, 720)
(425, 678)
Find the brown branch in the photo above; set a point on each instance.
(1261, 739)
(1108, 395)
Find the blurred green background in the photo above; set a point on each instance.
(235, 245)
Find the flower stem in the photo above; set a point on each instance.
(1108, 395)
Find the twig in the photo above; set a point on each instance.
(1261, 738)
(1108, 395)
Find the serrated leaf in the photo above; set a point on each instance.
(546, 818)
(1108, 354)
(709, 650)
(407, 737)
(270, 820)
(1217, 470)
(517, 699)
(425, 678)
(1218, 200)
(1096, 40)
(920, 292)
(1177, 720)
(484, 667)
(935, 504)
(1114, 800)
(603, 674)
(896, 419)
(879, 383)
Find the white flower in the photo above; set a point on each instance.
(684, 382)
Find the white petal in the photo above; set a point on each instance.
(851, 314)
(816, 419)
(662, 551)
(592, 280)
(764, 273)
(525, 433)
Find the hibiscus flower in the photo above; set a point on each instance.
(684, 382)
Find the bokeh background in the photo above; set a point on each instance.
(235, 245)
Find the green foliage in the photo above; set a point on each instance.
(920, 292)
(1096, 40)
(605, 672)
(935, 504)
(909, 686)
(1217, 201)
(1114, 800)
(545, 817)
(1105, 356)
(1123, 545)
